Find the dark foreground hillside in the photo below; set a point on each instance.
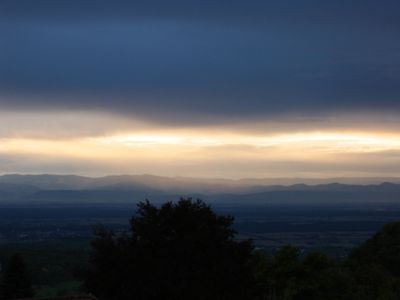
(185, 250)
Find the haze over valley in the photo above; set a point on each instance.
(330, 214)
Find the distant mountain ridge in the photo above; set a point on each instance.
(14, 187)
(49, 181)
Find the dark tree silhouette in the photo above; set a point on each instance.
(375, 265)
(181, 250)
(382, 249)
(17, 281)
(1, 286)
(370, 273)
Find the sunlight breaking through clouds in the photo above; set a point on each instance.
(99, 143)
(127, 145)
(209, 154)
(327, 141)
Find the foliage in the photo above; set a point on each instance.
(53, 264)
(382, 249)
(181, 250)
(17, 281)
(184, 250)
(370, 273)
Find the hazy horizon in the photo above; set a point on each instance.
(218, 180)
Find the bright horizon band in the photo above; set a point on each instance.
(205, 153)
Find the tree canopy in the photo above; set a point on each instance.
(184, 250)
(180, 250)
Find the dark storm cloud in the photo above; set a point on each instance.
(201, 60)
(252, 11)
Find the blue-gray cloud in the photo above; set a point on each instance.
(193, 60)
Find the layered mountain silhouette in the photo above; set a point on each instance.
(66, 188)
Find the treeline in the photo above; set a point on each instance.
(286, 276)
(184, 250)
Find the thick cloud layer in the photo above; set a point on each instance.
(205, 62)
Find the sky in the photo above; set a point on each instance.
(200, 88)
